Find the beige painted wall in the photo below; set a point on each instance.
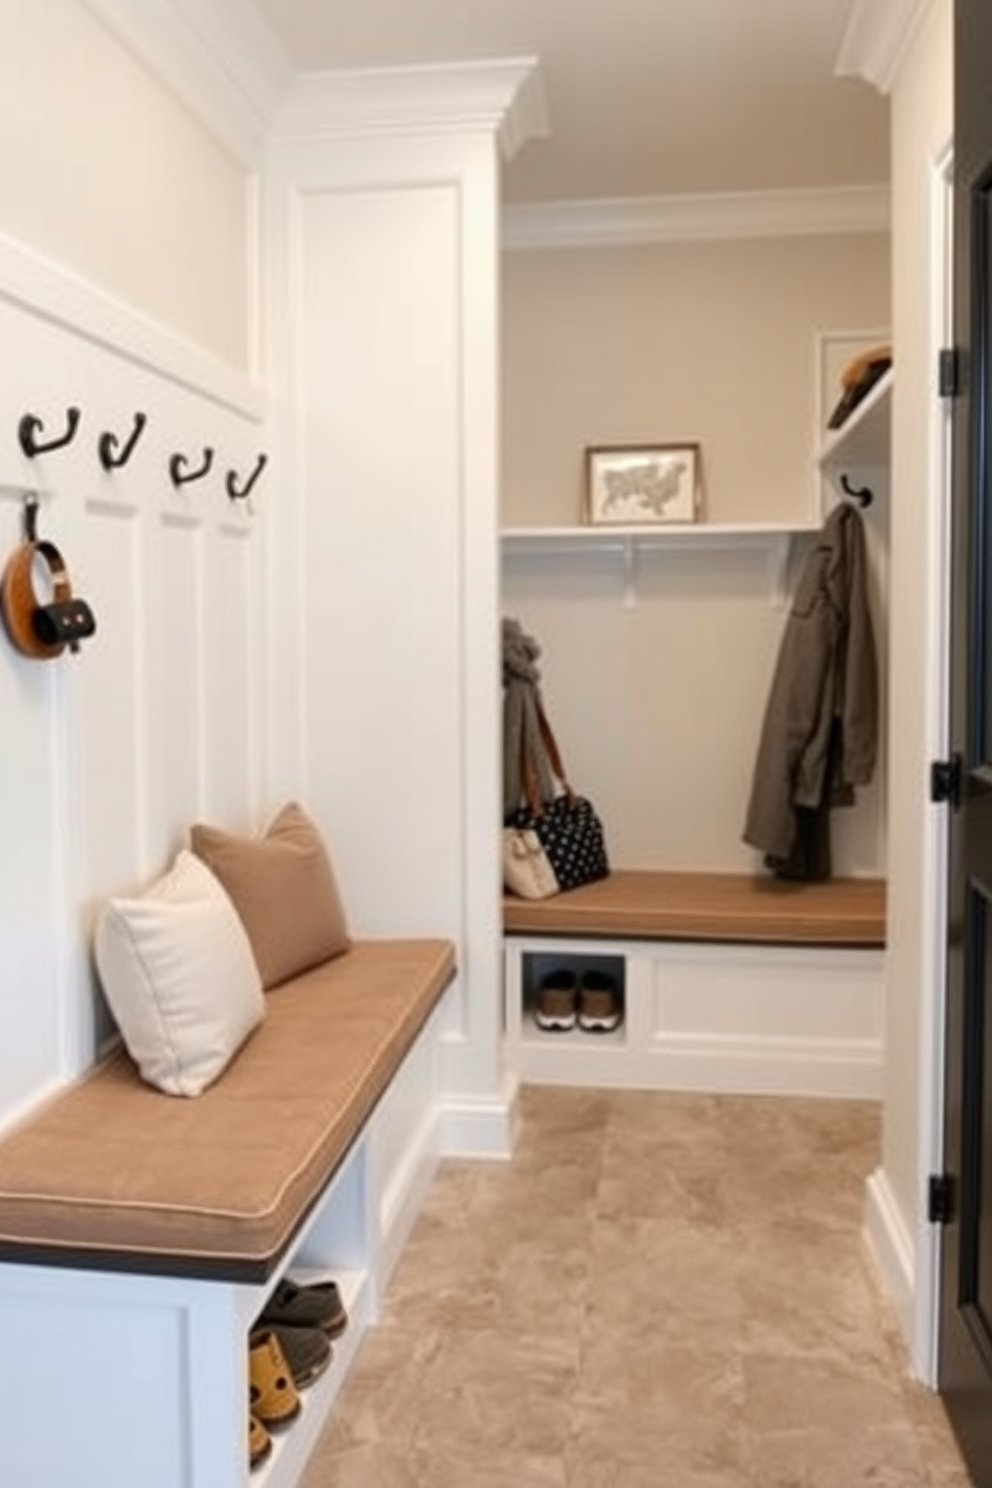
(105, 172)
(697, 341)
(922, 123)
(658, 703)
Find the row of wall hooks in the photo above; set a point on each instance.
(115, 451)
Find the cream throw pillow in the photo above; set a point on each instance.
(179, 976)
(283, 887)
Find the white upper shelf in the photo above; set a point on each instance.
(775, 538)
(688, 535)
(863, 442)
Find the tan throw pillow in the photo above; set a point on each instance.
(178, 974)
(283, 887)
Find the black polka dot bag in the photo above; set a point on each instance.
(552, 846)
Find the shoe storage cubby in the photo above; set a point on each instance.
(334, 1245)
(567, 976)
(542, 1050)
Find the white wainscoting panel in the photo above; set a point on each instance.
(108, 754)
(382, 494)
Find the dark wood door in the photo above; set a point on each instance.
(965, 1359)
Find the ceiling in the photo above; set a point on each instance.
(645, 97)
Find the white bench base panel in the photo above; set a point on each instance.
(708, 1017)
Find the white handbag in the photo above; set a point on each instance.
(527, 870)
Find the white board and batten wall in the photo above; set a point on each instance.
(124, 274)
(157, 719)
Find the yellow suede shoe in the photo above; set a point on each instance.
(274, 1398)
(259, 1441)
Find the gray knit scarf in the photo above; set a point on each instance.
(521, 734)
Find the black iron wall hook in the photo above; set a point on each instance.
(31, 426)
(181, 475)
(112, 452)
(861, 494)
(241, 493)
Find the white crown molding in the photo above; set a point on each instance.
(876, 39)
(217, 56)
(503, 97)
(685, 219)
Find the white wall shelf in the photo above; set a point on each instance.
(860, 449)
(775, 538)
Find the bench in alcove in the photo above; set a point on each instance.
(731, 982)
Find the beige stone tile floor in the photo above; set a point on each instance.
(658, 1291)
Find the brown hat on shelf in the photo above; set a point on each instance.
(857, 380)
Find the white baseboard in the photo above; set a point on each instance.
(474, 1126)
(724, 1065)
(457, 1126)
(843, 1069)
(890, 1248)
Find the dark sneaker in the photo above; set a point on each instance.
(306, 1351)
(315, 1304)
(555, 1006)
(599, 1008)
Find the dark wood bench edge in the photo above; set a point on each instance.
(780, 943)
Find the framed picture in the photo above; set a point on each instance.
(635, 485)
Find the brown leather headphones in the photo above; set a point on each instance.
(42, 627)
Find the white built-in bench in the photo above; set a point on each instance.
(730, 982)
(141, 1234)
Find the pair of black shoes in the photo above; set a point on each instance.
(590, 1000)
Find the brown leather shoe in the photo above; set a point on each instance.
(314, 1304)
(555, 1004)
(600, 1010)
(307, 1351)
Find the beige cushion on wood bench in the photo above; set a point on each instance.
(634, 904)
(113, 1173)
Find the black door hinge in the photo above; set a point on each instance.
(945, 780)
(940, 1198)
(948, 376)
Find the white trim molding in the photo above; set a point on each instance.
(630, 221)
(890, 1247)
(56, 294)
(479, 1126)
(219, 57)
(876, 39)
(503, 97)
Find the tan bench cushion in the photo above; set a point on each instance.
(638, 904)
(112, 1172)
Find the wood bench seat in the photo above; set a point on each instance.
(636, 904)
(111, 1173)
